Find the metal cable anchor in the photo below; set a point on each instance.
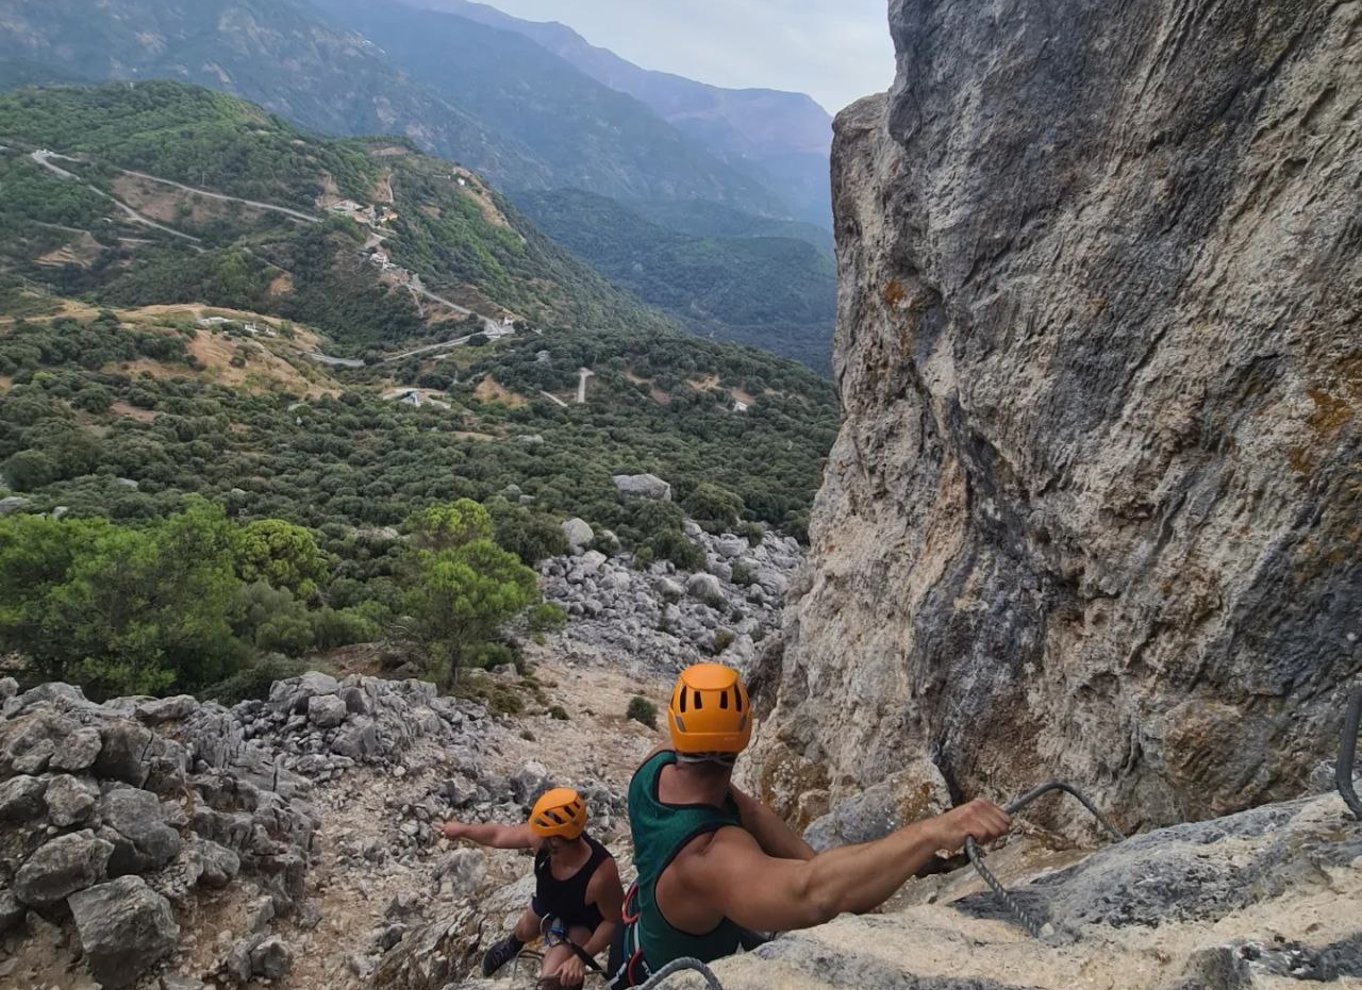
(1347, 752)
(976, 857)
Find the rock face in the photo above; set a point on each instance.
(1093, 512)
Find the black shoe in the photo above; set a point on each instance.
(500, 954)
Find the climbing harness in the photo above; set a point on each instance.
(1347, 751)
(976, 858)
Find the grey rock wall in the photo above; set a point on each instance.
(1096, 505)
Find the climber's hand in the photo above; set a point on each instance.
(453, 830)
(983, 820)
(572, 973)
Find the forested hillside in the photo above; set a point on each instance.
(496, 103)
(179, 274)
(775, 291)
(320, 263)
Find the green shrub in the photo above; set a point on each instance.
(723, 639)
(744, 576)
(559, 713)
(714, 507)
(490, 655)
(674, 545)
(253, 682)
(642, 710)
(547, 617)
(342, 627)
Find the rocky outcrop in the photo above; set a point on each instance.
(663, 618)
(120, 816)
(1094, 509)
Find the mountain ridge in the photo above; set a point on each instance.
(786, 135)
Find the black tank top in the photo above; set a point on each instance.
(566, 899)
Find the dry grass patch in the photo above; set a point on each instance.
(490, 390)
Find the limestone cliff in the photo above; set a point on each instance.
(1096, 505)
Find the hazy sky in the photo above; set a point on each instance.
(835, 50)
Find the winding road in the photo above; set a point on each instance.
(44, 158)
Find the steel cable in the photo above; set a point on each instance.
(1347, 753)
(976, 858)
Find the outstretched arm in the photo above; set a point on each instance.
(774, 836)
(771, 894)
(496, 836)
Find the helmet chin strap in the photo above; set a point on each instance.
(726, 760)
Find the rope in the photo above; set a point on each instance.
(677, 966)
(1347, 752)
(1027, 921)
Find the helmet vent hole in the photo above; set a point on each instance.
(723, 701)
(699, 701)
(737, 697)
(683, 701)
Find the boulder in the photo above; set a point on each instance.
(731, 546)
(21, 798)
(125, 928)
(293, 695)
(69, 801)
(271, 959)
(167, 709)
(77, 751)
(705, 588)
(217, 865)
(579, 535)
(326, 711)
(648, 486)
(122, 748)
(12, 504)
(9, 687)
(529, 782)
(590, 562)
(65, 865)
(136, 816)
(358, 740)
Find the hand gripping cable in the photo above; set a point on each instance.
(977, 860)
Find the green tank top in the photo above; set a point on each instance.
(660, 832)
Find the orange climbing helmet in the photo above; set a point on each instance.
(560, 812)
(709, 711)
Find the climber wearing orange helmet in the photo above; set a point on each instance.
(713, 863)
(577, 898)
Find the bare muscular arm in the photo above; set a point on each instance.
(495, 836)
(756, 890)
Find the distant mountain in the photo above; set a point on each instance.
(291, 58)
(588, 135)
(785, 136)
